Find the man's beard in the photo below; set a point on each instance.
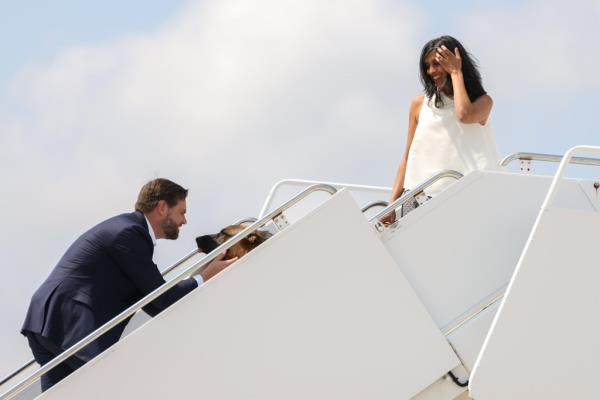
(170, 228)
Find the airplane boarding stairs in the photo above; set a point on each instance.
(336, 307)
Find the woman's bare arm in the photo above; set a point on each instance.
(467, 112)
(413, 120)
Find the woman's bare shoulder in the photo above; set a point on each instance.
(485, 98)
(417, 101)
(415, 106)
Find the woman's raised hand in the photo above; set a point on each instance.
(451, 62)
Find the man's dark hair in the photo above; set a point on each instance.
(469, 68)
(156, 190)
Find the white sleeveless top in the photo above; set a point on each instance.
(442, 142)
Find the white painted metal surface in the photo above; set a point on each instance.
(468, 340)
(319, 311)
(326, 310)
(543, 341)
(460, 249)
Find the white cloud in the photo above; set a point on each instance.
(227, 98)
(230, 96)
(537, 60)
(537, 46)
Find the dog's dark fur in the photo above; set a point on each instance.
(208, 243)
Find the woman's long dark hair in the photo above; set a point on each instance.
(470, 72)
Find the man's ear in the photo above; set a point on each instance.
(162, 207)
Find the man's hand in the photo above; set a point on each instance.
(215, 266)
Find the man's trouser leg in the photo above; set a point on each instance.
(44, 351)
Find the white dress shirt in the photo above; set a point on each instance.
(197, 277)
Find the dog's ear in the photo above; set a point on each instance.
(264, 235)
(253, 238)
(232, 230)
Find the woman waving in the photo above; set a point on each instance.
(448, 125)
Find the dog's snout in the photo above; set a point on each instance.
(206, 243)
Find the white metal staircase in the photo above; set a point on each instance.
(337, 306)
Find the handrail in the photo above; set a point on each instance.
(246, 220)
(379, 203)
(32, 361)
(18, 388)
(193, 253)
(178, 263)
(568, 158)
(163, 273)
(414, 192)
(448, 331)
(564, 161)
(17, 371)
(546, 157)
(299, 182)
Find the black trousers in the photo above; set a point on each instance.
(44, 351)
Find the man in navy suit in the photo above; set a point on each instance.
(105, 271)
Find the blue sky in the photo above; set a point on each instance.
(34, 31)
(228, 97)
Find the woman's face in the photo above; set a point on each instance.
(438, 75)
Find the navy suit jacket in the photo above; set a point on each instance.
(106, 270)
